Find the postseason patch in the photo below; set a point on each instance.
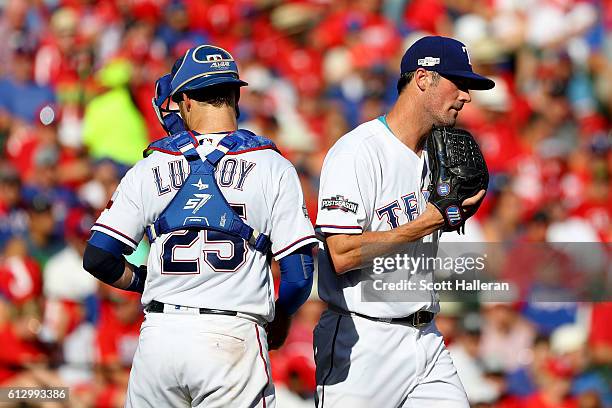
(338, 202)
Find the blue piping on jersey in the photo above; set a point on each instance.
(109, 244)
(383, 120)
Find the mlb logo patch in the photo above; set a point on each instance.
(443, 189)
(428, 61)
(453, 215)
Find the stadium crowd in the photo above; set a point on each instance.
(76, 81)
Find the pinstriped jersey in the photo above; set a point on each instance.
(207, 268)
(370, 181)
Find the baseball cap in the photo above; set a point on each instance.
(204, 66)
(446, 56)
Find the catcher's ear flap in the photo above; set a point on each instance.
(162, 89)
(169, 119)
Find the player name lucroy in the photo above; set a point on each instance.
(339, 203)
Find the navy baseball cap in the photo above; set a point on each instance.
(204, 66)
(446, 56)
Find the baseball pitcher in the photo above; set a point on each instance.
(376, 196)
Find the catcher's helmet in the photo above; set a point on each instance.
(201, 67)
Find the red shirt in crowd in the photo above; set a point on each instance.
(538, 401)
(601, 316)
(116, 340)
(15, 352)
(20, 279)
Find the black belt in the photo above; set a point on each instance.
(158, 307)
(420, 318)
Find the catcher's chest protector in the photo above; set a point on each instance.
(199, 203)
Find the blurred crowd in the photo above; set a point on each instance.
(76, 81)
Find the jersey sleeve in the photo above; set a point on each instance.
(123, 218)
(291, 227)
(343, 194)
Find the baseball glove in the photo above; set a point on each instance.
(278, 329)
(458, 171)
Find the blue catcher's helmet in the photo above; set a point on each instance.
(201, 67)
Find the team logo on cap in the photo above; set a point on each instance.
(443, 189)
(338, 202)
(453, 215)
(428, 61)
(467, 54)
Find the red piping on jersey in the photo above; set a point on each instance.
(116, 232)
(337, 226)
(263, 394)
(292, 244)
(195, 139)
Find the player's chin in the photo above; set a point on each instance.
(449, 120)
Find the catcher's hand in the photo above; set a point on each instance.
(458, 175)
(278, 329)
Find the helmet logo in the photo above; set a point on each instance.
(221, 55)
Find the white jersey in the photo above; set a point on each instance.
(371, 181)
(209, 269)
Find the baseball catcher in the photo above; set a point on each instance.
(217, 204)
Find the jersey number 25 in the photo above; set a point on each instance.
(222, 252)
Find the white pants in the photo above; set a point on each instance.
(186, 360)
(364, 363)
